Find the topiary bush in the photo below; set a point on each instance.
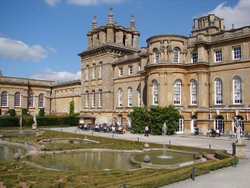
(24, 111)
(11, 112)
(41, 112)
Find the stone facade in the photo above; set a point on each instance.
(34, 94)
(205, 76)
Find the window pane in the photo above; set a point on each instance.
(17, 100)
(155, 92)
(193, 88)
(41, 100)
(176, 55)
(218, 56)
(237, 52)
(4, 98)
(177, 92)
(195, 57)
(237, 91)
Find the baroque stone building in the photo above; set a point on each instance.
(205, 76)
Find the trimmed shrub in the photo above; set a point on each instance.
(24, 111)
(41, 112)
(8, 121)
(11, 112)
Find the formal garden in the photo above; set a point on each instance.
(45, 158)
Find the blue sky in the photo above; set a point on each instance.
(41, 38)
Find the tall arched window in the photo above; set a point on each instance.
(87, 99)
(4, 99)
(237, 90)
(155, 93)
(193, 92)
(41, 101)
(157, 56)
(120, 97)
(176, 55)
(219, 124)
(100, 98)
(177, 92)
(93, 98)
(17, 99)
(130, 96)
(30, 100)
(218, 91)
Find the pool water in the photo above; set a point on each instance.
(7, 152)
(86, 161)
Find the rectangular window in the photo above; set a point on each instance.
(130, 70)
(195, 57)
(100, 71)
(236, 52)
(217, 56)
(120, 71)
(180, 126)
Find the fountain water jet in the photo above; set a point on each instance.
(164, 133)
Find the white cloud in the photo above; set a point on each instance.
(238, 15)
(15, 49)
(53, 50)
(52, 3)
(57, 76)
(93, 2)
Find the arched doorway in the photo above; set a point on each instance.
(119, 122)
(193, 123)
(219, 124)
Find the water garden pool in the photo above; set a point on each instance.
(7, 151)
(109, 159)
(85, 161)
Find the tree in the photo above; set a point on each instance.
(155, 117)
(139, 119)
(71, 107)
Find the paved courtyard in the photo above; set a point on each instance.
(231, 177)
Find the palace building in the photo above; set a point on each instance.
(206, 76)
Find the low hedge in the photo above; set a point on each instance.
(7, 121)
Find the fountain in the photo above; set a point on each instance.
(164, 133)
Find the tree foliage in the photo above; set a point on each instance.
(155, 117)
(139, 119)
(71, 107)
